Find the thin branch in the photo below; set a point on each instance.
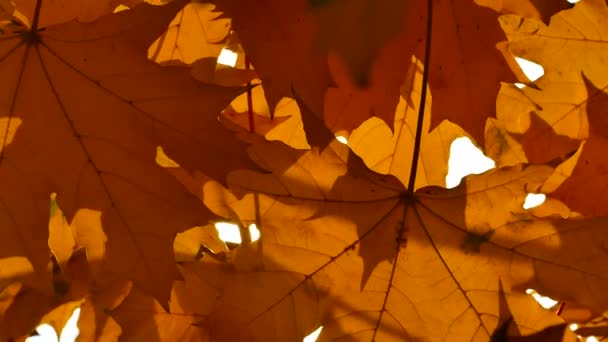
(249, 99)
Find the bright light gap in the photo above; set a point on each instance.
(227, 57)
(465, 159)
(230, 232)
(534, 200)
(313, 336)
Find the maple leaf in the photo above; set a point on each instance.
(391, 153)
(464, 76)
(465, 73)
(317, 219)
(181, 42)
(286, 125)
(382, 150)
(502, 334)
(82, 112)
(307, 32)
(69, 284)
(208, 305)
(87, 119)
(585, 187)
(143, 318)
(264, 34)
(211, 303)
(558, 98)
(567, 104)
(72, 287)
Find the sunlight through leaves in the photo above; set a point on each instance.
(339, 145)
(69, 333)
(227, 57)
(465, 159)
(342, 139)
(254, 232)
(313, 335)
(544, 301)
(533, 71)
(534, 200)
(230, 232)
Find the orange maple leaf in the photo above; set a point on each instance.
(82, 112)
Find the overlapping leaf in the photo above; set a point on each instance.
(71, 282)
(143, 318)
(82, 112)
(568, 103)
(286, 125)
(464, 76)
(306, 31)
(427, 267)
(73, 287)
(194, 33)
(382, 150)
(84, 115)
(392, 153)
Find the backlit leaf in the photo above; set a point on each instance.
(87, 101)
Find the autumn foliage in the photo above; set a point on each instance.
(123, 142)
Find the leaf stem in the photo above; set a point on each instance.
(421, 107)
(249, 99)
(36, 16)
(560, 308)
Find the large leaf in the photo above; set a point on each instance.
(82, 112)
(86, 119)
(379, 263)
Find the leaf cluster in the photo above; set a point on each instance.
(118, 117)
